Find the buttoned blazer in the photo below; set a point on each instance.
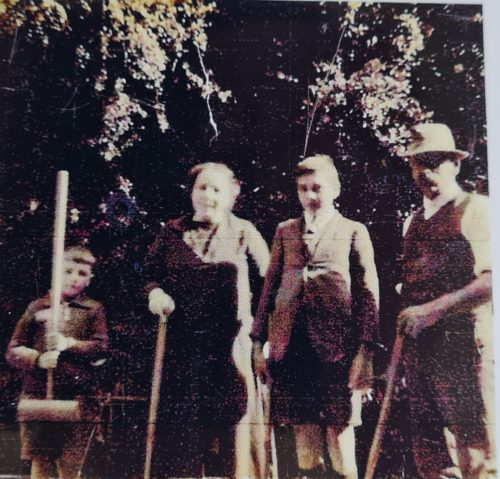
(333, 284)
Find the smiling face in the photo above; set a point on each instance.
(434, 175)
(213, 195)
(76, 278)
(316, 192)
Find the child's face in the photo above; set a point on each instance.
(315, 192)
(212, 195)
(76, 278)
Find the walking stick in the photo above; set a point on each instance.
(155, 392)
(385, 409)
(271, 469)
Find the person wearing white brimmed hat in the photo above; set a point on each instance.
(446, 311)
(433, 138)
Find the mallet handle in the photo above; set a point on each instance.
(61, 203)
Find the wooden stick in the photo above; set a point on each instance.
(61, 201)
(264, 398)
(155, 392)
(385, 409)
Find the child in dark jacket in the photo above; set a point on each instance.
(319, 313)
(81, 335)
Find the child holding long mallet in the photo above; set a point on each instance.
(56, 411)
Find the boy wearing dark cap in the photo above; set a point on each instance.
(81, 336)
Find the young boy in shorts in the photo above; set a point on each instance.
(319, 313)
(81, 337)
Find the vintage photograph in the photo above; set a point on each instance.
(245, 239)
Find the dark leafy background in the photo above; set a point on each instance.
(50, 112)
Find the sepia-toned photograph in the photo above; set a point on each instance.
(245, 239)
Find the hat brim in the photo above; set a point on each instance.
(455, 154)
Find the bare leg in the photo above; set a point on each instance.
(68, 470)
(243, 447)
(471, 459)
(71, 460)
(342, 451)
(242, 354)
(41, 467)
(309, 441)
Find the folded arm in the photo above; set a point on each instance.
(414, 319)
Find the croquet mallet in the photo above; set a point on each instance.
(50, 409)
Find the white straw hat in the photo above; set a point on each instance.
(433, 138)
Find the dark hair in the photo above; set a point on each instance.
(80, 255)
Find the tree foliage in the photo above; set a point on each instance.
(135, 50)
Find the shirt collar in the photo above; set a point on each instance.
(432, 206)
(316, 222)
(79, 301)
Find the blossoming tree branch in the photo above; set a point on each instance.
(380, 93)
(141, 45)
